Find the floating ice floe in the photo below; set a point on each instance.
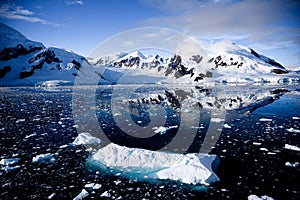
(295, 117)
(194, 168)
(291, 164)
(265, 120)
(86, 138)
(291, 147)
(93, 186)
(162, 130)
(293, 130)
(10, 164)
(254, 197)
(105, 194)
(226, 126)
(31, 135)
(81, 195)
(43, 158)
(216, 119)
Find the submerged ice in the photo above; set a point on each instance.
(149, 165)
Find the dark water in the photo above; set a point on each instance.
(251, 150)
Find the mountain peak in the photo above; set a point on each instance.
(11, 38)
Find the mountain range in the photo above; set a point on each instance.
(26, 62)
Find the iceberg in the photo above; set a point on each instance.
(43, 158)
(86, 138)
(142, 164)
(10, 164)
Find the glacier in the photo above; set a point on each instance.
(146, 165)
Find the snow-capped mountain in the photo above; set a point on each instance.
(224, 62)
(25, 62)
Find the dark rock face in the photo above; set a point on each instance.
(26, 74)
(269, 61)
(279, 71)
(254, 53)
(47, 56)
(14, 52)
(129, 62)
(76, 64)
(219, 62)
(4, 71)
(200, 76)
(177, 66)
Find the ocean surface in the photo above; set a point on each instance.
(253, 129)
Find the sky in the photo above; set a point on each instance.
(270, 27)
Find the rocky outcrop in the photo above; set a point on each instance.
(14, 52)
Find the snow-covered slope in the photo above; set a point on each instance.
(25, 62)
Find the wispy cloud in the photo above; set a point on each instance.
(12, 11)
(260, 20)
(76, 2)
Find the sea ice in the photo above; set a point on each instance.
(293, 130)
(265, 120)
(226, 126)
(105, 194)
(291, 164)
(43, 158)
(254, 197)
(81, 195)
(93, 186)
(144, 164)
(9, 164)
(86, 138)
(291, 147)
(162, 130)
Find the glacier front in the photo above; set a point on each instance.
(146, 165)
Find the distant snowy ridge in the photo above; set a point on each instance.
(225, 62)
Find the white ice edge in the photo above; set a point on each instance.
(138, 163)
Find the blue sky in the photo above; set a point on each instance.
(271, 27)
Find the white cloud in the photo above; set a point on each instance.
(76, 2)
(258, 19)
(12, 11)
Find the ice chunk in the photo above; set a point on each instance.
(93, 186)
(9, 161)
(265, 120)
(263, 149)
(31, 135)
(254, 197)
(295, 117)
(291, 164)
(9, 164)
(82, 195)
(105, 194)
(291, 147)
(51, 196)
(162, 130)
(217, 119)
(144, 164)
(86, 138)
(43, 158)
(226, 126)
(293, 130)
(20, 120)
